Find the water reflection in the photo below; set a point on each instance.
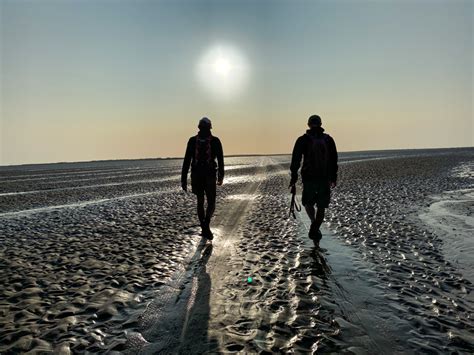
(318, 263)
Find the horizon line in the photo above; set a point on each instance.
(227, 156)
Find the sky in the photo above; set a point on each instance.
(115, 79)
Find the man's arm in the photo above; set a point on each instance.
(333, 167)
(220, 161)
(186, 163)
(296, 161)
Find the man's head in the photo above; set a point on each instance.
(205, 123)
(314, 121)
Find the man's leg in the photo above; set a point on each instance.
(322, 202)
(319, 217)
(211, 204)
(311, 214)
(210, 190)
(200, 208)
(310, 211)
(309, 200)
(198, 186)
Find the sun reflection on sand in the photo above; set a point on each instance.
(242, 197)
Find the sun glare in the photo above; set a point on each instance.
(223, 71)
(222, 66)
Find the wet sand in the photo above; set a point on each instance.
(451, 217)
(106, 256)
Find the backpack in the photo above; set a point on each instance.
(202, 152)
(317, 156)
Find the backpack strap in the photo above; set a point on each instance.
(208, 149)
(196, 149)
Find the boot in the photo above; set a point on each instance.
(313, 231)
(206, 230)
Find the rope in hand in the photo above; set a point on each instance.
(294, 203)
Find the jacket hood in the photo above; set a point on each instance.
(204, 132)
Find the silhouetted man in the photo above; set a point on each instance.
(319, 172)
(201, 153)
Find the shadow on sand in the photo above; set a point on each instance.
(177, 320)
(319, 265)
(194, 336)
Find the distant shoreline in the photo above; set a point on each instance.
(231, 156)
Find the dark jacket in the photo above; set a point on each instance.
(216, 153)
(302, 147)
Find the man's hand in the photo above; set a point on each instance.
(332, 184)
(184, 185)
(220, 182)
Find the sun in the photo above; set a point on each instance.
(223, 71)
(222, 66)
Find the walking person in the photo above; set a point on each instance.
(318, 173)
(201, 153)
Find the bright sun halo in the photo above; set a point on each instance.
(222, 66)
(222, 70)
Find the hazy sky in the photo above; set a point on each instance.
(85, 80)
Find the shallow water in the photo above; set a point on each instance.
(106, 256)
(452, 219)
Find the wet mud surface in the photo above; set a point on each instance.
(376, 210)
(107, 256)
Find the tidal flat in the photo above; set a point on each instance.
(106, 256)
